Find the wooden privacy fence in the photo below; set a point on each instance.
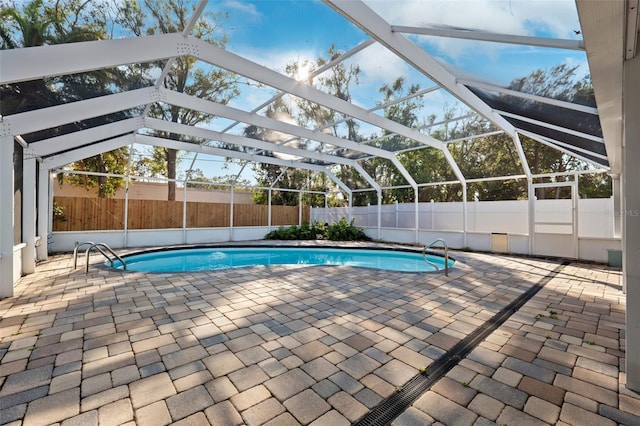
(96, 214)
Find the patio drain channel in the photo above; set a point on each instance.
(385, 412)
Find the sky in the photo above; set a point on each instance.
(276, 32)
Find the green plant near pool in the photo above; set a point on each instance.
(339, 231)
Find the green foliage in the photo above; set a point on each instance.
(58, 213)
(48, 22)
(339, 231)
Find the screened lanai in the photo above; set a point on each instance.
(462, 77)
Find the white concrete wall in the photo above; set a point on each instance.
(65, 241)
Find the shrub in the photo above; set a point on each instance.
(339, 231)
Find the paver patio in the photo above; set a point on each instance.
(318, 345)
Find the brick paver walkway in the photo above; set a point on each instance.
(291, 345)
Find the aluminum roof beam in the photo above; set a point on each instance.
(552, 126)
(213, 108)
(82, 138)
(45, 118)
(566, 148)
(536, 98)
(191, 147)
(110, 53)
(33, 63)
(200, 132)
(476, 35)
(60, 160)
(36, 120)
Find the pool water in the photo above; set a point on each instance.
(202, 259)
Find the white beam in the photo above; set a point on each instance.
(405, 173)
(185, 33)
(552, 126)
(43, 211)
(521, 156)
(631, 221)
(191, 147)
(631, 32)
(63, 159)
(229, 138)
(74, 140)
(213, 108)
(45, 118)
(6, 216)
(556, 43)
(561, 146)
(365, 18)
(602, 24)
(454, 166)
(542, 138)
(31, 63)
(537, 98)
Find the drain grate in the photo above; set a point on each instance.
(392, 407)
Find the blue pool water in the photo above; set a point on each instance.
(201, 259)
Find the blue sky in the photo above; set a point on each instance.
(276, 32)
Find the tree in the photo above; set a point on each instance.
(196, 179)
(186, 75)
(335, 81)
(39, 23)
(559, 82)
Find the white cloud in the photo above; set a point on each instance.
(377, 63)
(582, 69)
(242, 7)
(548, 18)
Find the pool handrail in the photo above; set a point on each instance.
(446, 254)
(101, 247)
(75, 251)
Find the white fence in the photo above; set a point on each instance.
(595, 216)
(595, 222)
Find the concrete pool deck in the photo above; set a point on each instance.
(289, 345)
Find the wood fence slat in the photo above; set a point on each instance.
(93, 214)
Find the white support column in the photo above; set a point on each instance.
(42, 251)
(617, 195)
(379, 192)
(326, 208)
(269, 210)
(416, 214)
(231, 215)
(29, 215)
(6, 216)
(464, 214)
(300, 208)
(631, 218)
(531, 215)
(184, 212)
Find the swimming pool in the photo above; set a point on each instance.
(211, 258)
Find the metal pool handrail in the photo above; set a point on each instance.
(75, 251)
(99, 247)
(446, 255)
